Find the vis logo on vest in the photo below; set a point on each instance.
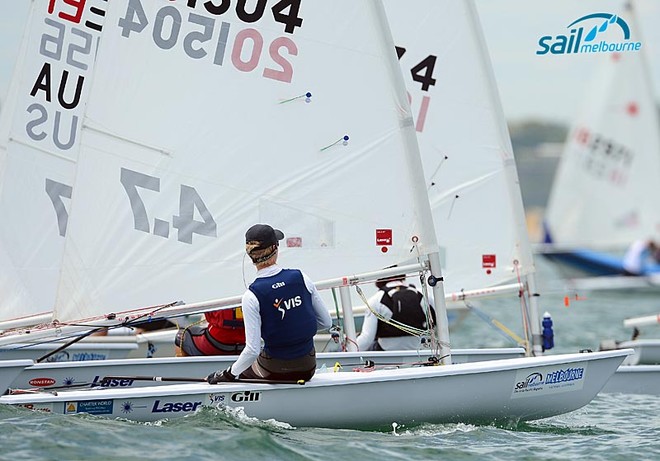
(284, 305)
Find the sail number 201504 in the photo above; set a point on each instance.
(196, 34)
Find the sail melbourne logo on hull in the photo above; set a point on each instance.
(549, 380)
(593, 33)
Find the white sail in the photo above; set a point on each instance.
(39, 133)
(471, 174)
(604, 194)
(198, 126)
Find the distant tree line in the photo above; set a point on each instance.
(526, 135)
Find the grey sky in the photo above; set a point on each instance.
(530, 85)
(550, 86)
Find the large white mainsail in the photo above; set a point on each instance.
(201, 123)
(603, 195)
(471, 174)
(39, 134)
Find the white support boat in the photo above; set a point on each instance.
(502, 392)
(317, 127)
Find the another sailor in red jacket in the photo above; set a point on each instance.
(224, 335)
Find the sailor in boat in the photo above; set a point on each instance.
(395, 316)
(640, 254)
(282, 307)
(223, 335)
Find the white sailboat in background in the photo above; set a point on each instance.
(603, 198)
(470, 170)
(181, 186)
(39, 144)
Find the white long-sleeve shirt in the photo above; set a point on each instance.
(636, 256)
(252, 319)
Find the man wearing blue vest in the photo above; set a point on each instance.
(283, 307)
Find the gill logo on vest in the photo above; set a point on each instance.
(284, 305)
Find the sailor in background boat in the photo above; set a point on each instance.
(224, 335)
(283, 307)
(395, 303)
(639, 254)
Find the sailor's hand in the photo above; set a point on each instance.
(335, 332)
(223, 376)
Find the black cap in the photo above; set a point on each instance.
(264, 234)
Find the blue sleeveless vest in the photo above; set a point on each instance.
(288, 320)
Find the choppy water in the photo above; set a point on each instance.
(612, 427)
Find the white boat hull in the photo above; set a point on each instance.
(647, 351)
(96, 348)
(89, 374)
(634, 379)
(9, 371)
(500, 391)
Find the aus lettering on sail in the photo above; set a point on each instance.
(58, 69)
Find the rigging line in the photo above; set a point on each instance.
(203, 380)
(126, 321)
(340, 324)
(524, 307)
(436, 344)
(183, 335)
(344, 349)
(56, 339)
(327, 343)
(243, 271)
(94, 329)
(496, 324)
(369, 363)
(147, 316)
(65, 345)
(339, 319)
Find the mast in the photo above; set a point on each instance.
(525, 264)
(427, 236)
